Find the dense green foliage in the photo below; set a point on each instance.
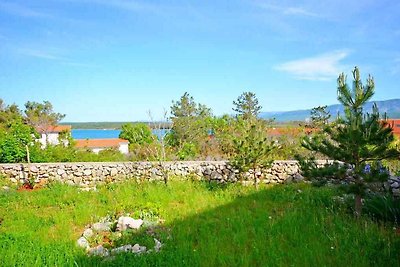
(19, 133)
(137, 134)
(191, 123)
(14, 142)
(193, 134)
(205, 225)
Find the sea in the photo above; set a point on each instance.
(105, 133)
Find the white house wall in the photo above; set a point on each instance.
(124, 148)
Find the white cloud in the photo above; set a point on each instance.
(298, 11)
(287, 10)
(40, 54)
(319, 68)
(46, 55)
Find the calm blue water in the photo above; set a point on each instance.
(94, 133)
(99, 133)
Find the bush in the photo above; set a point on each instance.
(188, 151)
(384, 208)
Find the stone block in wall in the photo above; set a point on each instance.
(87, 172)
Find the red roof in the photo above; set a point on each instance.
(290, 131)
(55, 129)
(94, 143)
(396, 126)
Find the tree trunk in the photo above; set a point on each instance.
(28, 157)
(357, 206)
(255, 177)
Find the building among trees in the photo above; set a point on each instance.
(97, 145)
(53, 135)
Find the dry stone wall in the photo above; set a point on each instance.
(89, 174)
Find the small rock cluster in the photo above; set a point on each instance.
(394, 183)
(123, 223)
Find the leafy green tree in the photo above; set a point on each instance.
(41, 116)
(252, 148)
(13, 142)
(357, 139)
(247, 105)
(8, 114)
(137, 133)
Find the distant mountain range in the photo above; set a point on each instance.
(391, 107)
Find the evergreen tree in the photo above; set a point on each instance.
(359, 140)
(252, 148)
(191, 123)
(247, 105)
(319, 116)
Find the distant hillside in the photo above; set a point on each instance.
(391, 107)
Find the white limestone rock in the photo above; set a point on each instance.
(125, 223)
(99, 251)
(83, 243)
(126, 248)
(88, 233)
(138, 249)
(101, 226)
(157, 245)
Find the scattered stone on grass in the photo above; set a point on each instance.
(83, 243)
(87, 189)
(138, 248)
(125, 223)
(158, 245)
(126, 248)
(101, 232)
(99, 251)
(88, 233)
(101, 226)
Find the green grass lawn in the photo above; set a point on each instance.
(292, 225)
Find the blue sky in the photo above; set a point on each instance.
(114, 60)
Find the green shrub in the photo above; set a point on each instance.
(188, 151)
(385, 208)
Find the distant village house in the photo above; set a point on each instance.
(51, 135)
(97, 145)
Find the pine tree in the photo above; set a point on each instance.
(319, 116)
(247, 105)
(252, 149)
(360, 140)
(190, 125)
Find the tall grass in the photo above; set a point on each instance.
(293, 225)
